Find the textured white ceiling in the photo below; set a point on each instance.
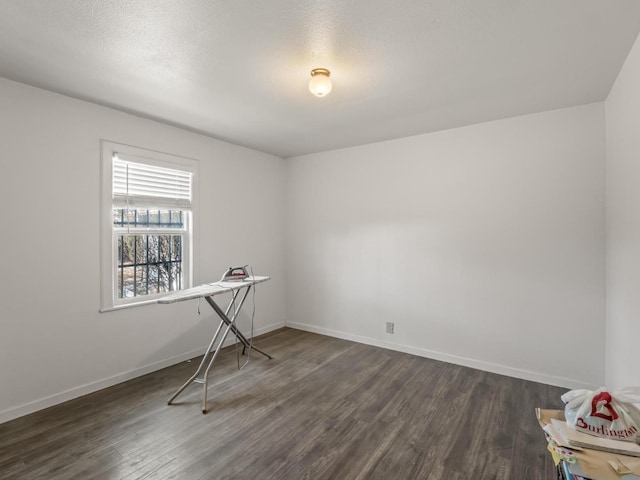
(238, 69)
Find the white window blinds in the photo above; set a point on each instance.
(137, 184)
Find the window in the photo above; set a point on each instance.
(147, 224)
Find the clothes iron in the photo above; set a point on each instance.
(235, 274)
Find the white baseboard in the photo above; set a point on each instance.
(56, 398)
(568, 383)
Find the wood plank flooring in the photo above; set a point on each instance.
(323, 408)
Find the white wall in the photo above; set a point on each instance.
(54, 344)
(623, 224)
(484, 244)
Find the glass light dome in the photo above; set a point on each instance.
(320, 83)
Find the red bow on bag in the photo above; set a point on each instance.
(604, 414)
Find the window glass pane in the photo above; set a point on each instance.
(141, 249)
(126, 286)
(119, 281)
(176, 248)
(163, 248)
(154, 217)
(176, 277)
(126, 245)
(142, 217)
(176, 218)
(118, 216)
(141, 280)
(165, 218)
(163, 272)
(152, 249)
(153, 278)
(148, 264)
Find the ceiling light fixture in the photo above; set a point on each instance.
(320, 83)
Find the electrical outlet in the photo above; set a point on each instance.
(390, 326)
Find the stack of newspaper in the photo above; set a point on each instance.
(582, 456)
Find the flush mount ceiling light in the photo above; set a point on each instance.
(320, 84)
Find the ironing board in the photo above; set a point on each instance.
(208, 291)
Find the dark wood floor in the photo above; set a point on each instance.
(323, 408)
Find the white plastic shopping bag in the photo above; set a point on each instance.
(603, 413)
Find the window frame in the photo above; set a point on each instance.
(109, 232)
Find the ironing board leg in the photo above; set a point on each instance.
(246, 344)
(205, 382)
(199, 369)
(231, 327)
